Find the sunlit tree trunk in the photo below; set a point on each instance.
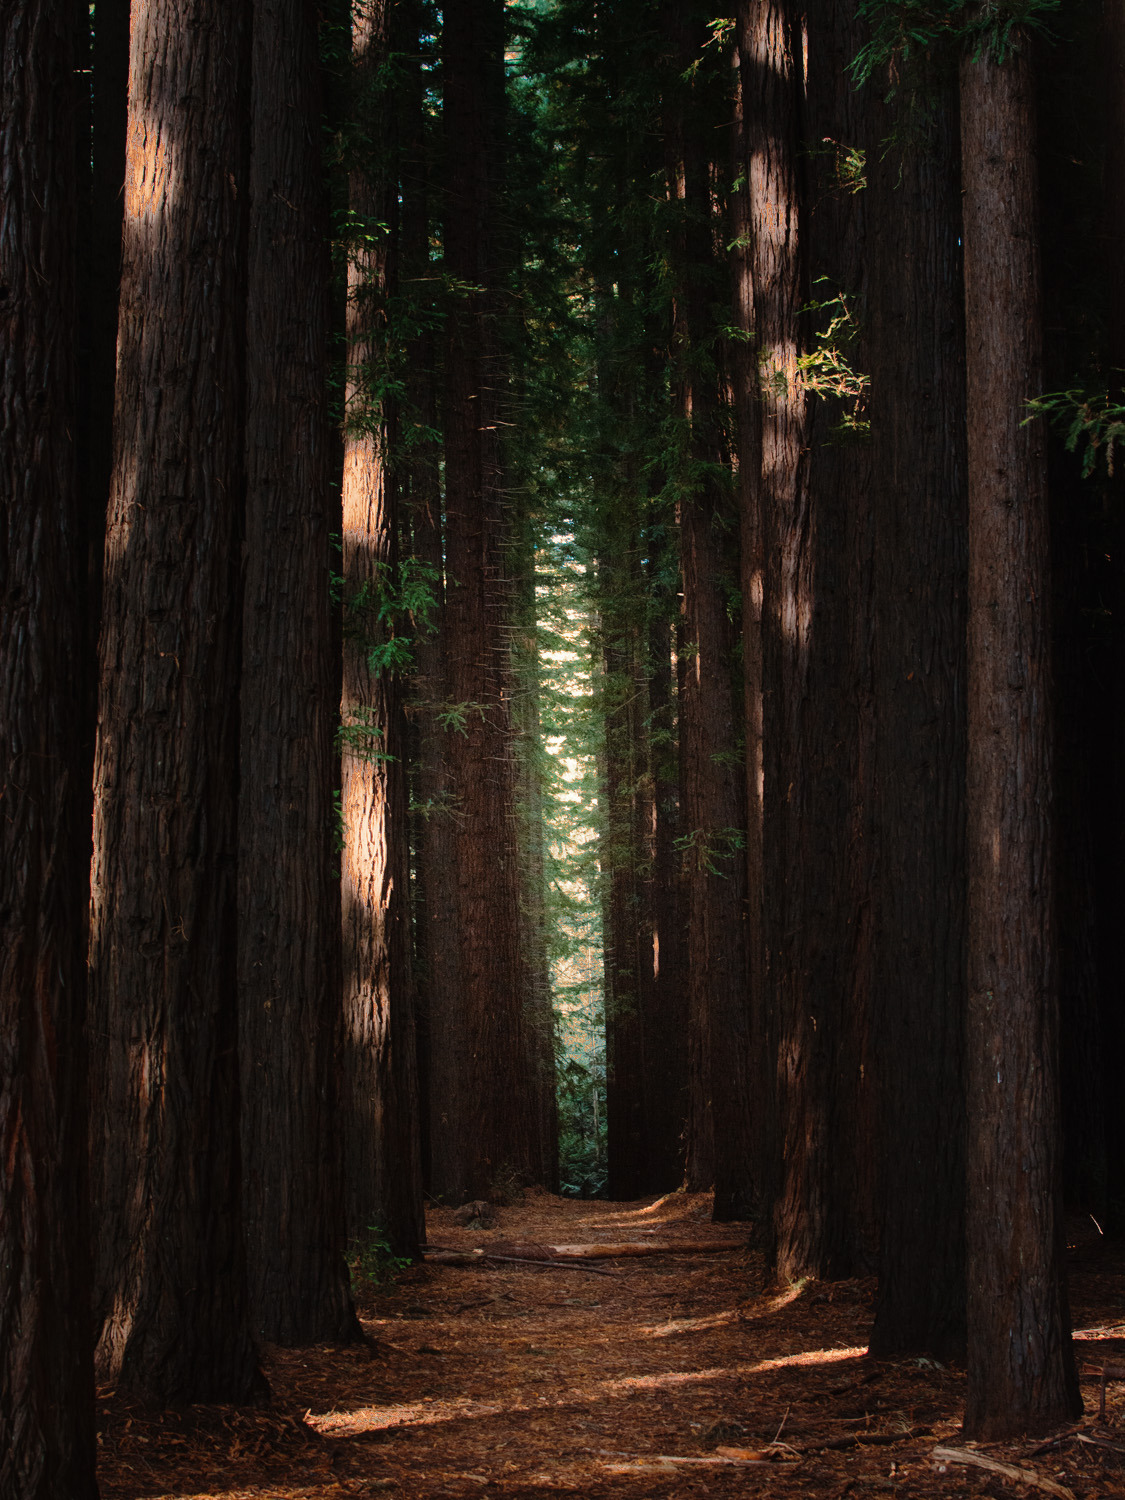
(1021, 1368)
(46, 1374)
(808, 535)
(288, 919)
(382, 1153)
(169, 1266)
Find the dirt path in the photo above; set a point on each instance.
(673, 1375)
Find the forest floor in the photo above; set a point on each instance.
(679, 1374)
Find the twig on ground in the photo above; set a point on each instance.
(1009, 1471)
(784, 1419)
(478, 1257)
(1099, 1442)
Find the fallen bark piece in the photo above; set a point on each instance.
(1009, 1471)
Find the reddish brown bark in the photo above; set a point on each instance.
(712, 815)
(46, 1386)
(1021, 1365)
(806, 577)
(381, 1142)
(918, 423)
(288, 917)
(169, 1267)
(482, 1125)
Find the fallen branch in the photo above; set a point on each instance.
(1099, 1442)
(1009, 1471)
(672, 1461)
(478, 1257)
(868, 1440)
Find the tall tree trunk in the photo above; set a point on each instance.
(434, 952)
(712, 812)
(666, 1057)
(288, 916)
(1021, 1368)
(815, 554)
(382, 1151)
(917, 423)
(481, 1110)
(169, 1267)
(626, 923)
(46, 1386)
(1113, 955)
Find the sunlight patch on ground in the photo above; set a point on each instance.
(425, 1413)
(690, 1325)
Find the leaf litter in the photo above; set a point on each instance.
(683, 1373)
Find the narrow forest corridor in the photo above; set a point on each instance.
(562, 646)
(672, 1374)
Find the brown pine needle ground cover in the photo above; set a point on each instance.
(675, 1375)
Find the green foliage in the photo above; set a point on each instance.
(362, 736)
(828, 368)
(706, 848)
(1091, 421)
(582, 1129)
(372, 1262)
(454, 717)
(906, 34)
(398, 596)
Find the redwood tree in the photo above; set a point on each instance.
(711, 780)
(169, 1268)
(807, 578)
(917, 436)
(46, 1386)
(288, 917)
(482, 1112)
(381, 1142)
(1022, 1375)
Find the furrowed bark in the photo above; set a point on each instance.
(382, 1151)
(918, 423)
(288, 919)
(1020, 1360)
(46, 1386)
(169, 1264)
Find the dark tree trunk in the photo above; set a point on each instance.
(918, 445)
(100, 273)
(481, 1103)
(711, 809)
(1113, 840)
(666, 1058)
(531, 838)
(434, 952)
(626, 920)
(169, 1264)
(382, 1151)
(46, 1385)
(1021, 1368)
(288, 914)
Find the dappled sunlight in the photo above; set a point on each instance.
(429, 1412)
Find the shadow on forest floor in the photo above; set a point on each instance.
(673, 1375)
